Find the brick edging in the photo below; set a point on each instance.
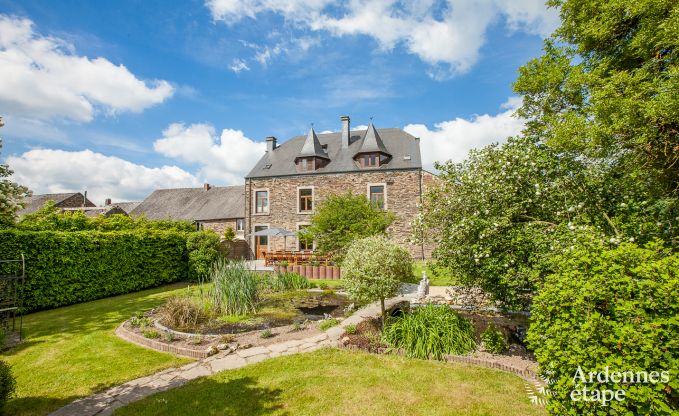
(142, 341)
(525, 373)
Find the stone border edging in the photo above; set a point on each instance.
(525, 373)
(142, 341)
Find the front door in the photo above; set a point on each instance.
(261, 242)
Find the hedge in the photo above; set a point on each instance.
(64, 268)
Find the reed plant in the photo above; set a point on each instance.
(287, 281)
(430, 332)
(234, 288)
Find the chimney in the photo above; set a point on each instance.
(270, 144)
(107, 201)
(206, 186)
(346, 132)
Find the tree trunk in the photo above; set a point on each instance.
(383, 311)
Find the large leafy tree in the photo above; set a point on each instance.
(11, 194)
(342, 218)
(607, 87)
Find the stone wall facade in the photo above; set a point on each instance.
(403, 195)
(219, 226)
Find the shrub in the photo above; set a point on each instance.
(182, 313)
(328, 323)
(63, 268)
(203, 251)
(430, 332)
(266, 333)
(493, 339)
(7, 384)
(168, 336)
(350, 329)
(140, 322)
(151, 333)
(373, 269)
(229, 234)
(288, 281)
(612, 309)
(296, 326)
(195, 340)
(234, 290)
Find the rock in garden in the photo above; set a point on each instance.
(211, 350)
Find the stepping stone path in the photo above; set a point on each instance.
(106, 402)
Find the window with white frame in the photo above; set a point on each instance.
(240, 224)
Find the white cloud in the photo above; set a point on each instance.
(238, 65)
(48, 171)
(43, 78)
(452, 140)
(447, 35)
(224, 159)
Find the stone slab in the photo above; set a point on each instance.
(252, 351)
(227, 363)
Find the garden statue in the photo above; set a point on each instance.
(423, 288)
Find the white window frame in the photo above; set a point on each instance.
(384, 186)
(313, 243)
(313, 200)
(240, 221)
(254, 201)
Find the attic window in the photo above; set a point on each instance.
(325, 147)
(268, 166)
(406, 157)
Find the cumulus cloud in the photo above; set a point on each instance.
(50, 171)
(445, 34)
(43, 78)
(224, 159)
(452, 140)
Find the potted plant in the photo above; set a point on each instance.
(283, 266)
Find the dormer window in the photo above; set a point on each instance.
(313, 155)
(372, 152)
(370, 160)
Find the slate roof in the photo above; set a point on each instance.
(372, 142)
(396, 142)
(127, 206)
(312, 147)
(194, 204)
(35, 202)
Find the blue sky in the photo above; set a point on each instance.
(120, 98)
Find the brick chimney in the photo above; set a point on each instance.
(346, 132)
(206, 186)
(107, 201)
(270, 144)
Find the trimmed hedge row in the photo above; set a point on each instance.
(64, 268)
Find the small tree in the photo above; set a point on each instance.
(11, 195)
(203, 251)
(229, 234)
(341, 219)
(374, 268)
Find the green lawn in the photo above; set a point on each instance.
(336, 382)
(437, 277)
(72, 352)
(330, 284)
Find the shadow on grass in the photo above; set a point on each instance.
(237, 397)
(35, 405)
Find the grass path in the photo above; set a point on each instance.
(337, 382)
(72, 352)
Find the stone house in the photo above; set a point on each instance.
(289, 180)
(69, 200)
(209, 208)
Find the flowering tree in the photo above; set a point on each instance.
(498, 217)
